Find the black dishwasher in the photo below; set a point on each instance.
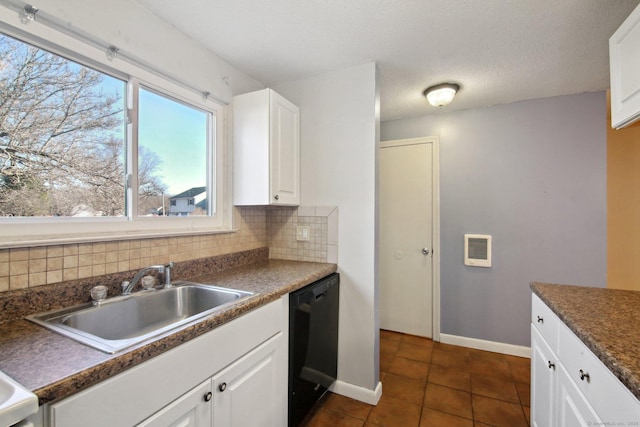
(313, 344)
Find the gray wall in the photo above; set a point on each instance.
(533, 175)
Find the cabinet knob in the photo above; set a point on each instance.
(208, 396)
(540, 319)
(552, 365)
(276, 197)
(584, 376)
(222, 387)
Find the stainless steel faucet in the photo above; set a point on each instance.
(165, 269)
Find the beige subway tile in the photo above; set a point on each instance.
(4, 269)
(135, 264)
(4, 255)
(18, 268)
(111, 257)
(70, 273)
(54, 276)
(124, 245)
(111, 267)
(18, 254)
(160, 242)
(37, 265)
(123, 255)
(71, 261)
(99, 247)
(123, 266)
(20, 281)
(134, 254)
(85, 260)
(4, 284)
(111, 246)
(37, 279)
(55, 251)
(147, 261)
(145, 243)
(134, 244)
(55, 263)
(85, 271)
(71, 249)
(99, 258)
(85, 248)
(37, 253)
(98, 270)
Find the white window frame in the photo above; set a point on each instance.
(20, 232)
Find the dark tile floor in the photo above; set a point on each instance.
(425, 383)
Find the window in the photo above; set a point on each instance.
(83, 145)
(62, 136)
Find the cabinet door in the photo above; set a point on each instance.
(573, 408)
(624, 45)
(543, 378)
(191, 410)
(284, 151)
(252, 391)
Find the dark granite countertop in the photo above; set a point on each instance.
(606, 320)
(54, 366)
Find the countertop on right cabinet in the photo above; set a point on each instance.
(606, 320)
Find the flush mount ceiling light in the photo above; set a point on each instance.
(441, 94)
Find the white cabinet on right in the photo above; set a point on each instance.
(624, 59)
(191, 410)
(249, 391)
(570, 386)
(266, 150)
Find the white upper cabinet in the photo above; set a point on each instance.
(266, 150)
(624, 57)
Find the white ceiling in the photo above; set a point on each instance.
(499, 51)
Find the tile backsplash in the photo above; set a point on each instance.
(273, 227)
(28, 267)
(322, 222)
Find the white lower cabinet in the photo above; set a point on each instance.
(191, 410)
(543, 381)
(247, 393)
(235, 375)
(570, 386)
(573, 408)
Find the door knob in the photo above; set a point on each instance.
(425, 251)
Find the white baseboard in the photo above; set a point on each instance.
(358, 393)
(497, 347)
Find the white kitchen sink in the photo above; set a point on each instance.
(16, 402)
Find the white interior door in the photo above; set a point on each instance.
(406, 236)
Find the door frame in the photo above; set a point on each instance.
(435, 228)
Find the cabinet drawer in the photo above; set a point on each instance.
(545, 321)
(613, 402)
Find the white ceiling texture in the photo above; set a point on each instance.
(499, 51)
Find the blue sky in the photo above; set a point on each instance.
(177, 134)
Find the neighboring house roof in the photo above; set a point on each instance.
(202, 204)
(192, 192)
